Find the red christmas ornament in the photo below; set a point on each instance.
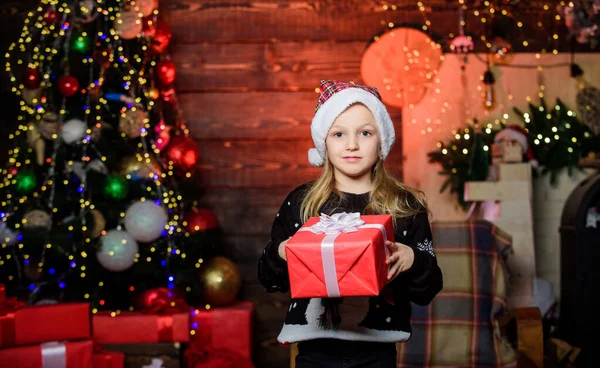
(102, 57)
(159, 300)
(68, 85)
(183, 152)
(200, 219)
(50, 16)
(161, 38)
(165, 72)
(163, 135)
(168, 94)
(32, 78)
(148, 27)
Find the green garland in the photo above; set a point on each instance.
(464, 158)
(558, 138)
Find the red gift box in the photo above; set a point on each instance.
(107, 359)
(215, 358)
(339, 255)
(25, 325)
(224, 328)
(72, 354)
(134, 327)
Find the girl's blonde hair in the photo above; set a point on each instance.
(388, 195)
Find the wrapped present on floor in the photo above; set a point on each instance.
(139, 327)
(159, 355)
(71, 354)
(339, 255)
(224, 329)
(25, 325)
(215, 358)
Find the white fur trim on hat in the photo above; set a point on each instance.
(314, 157)
(337, 104)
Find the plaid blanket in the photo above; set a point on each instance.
(457, 329)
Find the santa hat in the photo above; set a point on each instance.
(520, 135)
(334, 98)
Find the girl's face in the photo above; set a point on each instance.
(353, 143)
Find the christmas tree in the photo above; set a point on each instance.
(98, 202)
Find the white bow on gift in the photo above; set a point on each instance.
(332, 226)
(338, 223)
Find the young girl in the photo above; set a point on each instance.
(353, 134)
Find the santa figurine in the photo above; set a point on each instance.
(511, 145)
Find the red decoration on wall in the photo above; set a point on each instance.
(401, 64)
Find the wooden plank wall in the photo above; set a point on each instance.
(246, 79)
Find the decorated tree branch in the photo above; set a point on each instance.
(464, 157)
(99, 201)
(558, 138)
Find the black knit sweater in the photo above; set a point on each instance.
(385, 318)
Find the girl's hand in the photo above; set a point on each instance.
(401, 259)
(281, 249)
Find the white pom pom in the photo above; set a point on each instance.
(314, 157)
(73, 131)
(145, 221)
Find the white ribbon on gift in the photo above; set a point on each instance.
(332, 226)
(54, 355)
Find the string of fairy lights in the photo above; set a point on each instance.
(499, 50)
(47, 30)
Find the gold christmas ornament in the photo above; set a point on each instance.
(37, 219)
(221, 281)
(132, 122)
(95, 230)
(128, 25)
(31, 96)
(135, 169)
(153, 93)
(48, 126)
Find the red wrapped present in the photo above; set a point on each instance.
(107, 359)
(339, 255)
(25, 325)
(224, 328)
(159, 354)
(215, 358)
(136, 327)
(72, 354)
